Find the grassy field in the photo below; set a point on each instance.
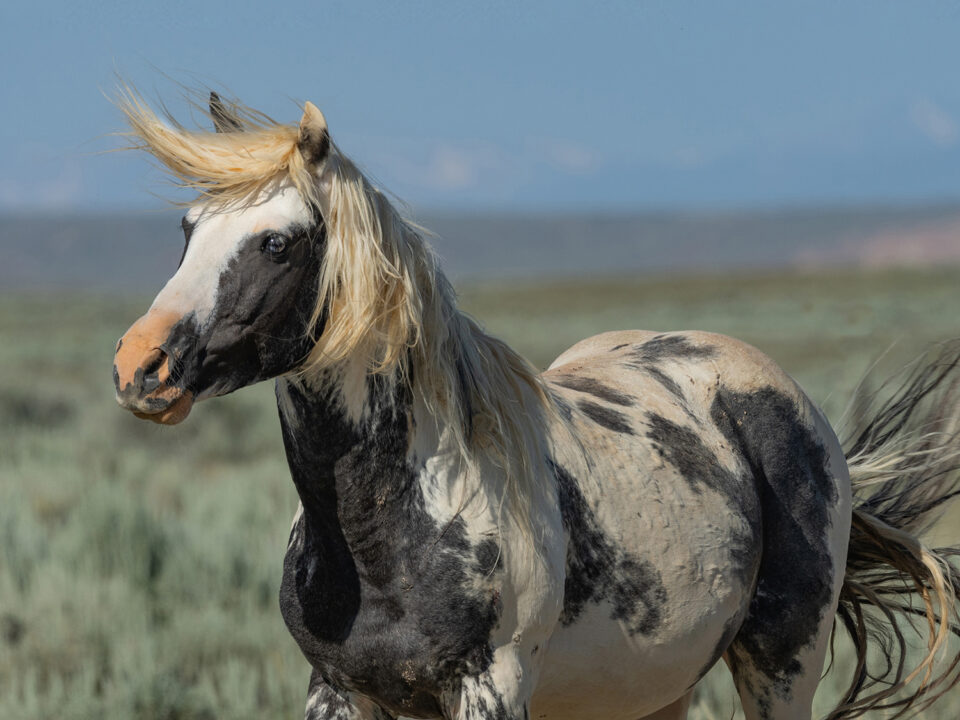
(139, 565)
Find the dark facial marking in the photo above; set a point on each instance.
(380, 598)
(796, 489)
(259, 327)
(598, 570)
(594, 387)
(607, 417)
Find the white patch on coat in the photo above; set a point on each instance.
(529, 585)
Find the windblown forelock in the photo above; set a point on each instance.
(227, 168)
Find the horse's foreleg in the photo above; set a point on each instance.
(502, 692)
(327, 703)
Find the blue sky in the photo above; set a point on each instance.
(511, 106)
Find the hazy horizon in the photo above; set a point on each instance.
(134, 250)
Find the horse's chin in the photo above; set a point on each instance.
(174, 413)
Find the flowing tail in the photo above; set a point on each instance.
(904, 458)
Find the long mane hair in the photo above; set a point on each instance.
(386, 302)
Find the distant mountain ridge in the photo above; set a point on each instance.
(138, 252)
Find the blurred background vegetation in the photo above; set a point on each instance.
(140, 564)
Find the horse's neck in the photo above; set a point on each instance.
(349, 468)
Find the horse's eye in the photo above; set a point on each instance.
(274, 245)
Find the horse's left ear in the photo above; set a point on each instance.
(223, 121)
(314, 142)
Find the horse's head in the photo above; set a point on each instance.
(295, 262)
(242, 306)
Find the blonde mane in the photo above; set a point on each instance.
(386, 302)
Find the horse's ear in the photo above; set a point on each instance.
(314, 141)
(223, 121)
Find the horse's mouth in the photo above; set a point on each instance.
(173, 413)
(166, 405)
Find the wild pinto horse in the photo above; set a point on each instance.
(479, 541)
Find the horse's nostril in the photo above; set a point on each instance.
(150, 383)
(151, 366)
(154, 362)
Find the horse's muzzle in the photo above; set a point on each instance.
(144, 373)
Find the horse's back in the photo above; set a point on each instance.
(666, 494)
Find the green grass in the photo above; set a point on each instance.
(139, 565)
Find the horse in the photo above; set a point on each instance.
(476, 540)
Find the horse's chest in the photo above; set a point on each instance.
(401, 630)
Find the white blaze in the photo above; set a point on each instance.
(217, 238)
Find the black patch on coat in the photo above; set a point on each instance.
(683, 448)
(695, 462)
(483, 701)
(563, 407)
(665, 380)
(607, 417)
(730, 630)
(598, 570)
(671, 347)
(594, 387)
(796, 491)
(327, 703)
(380, 598)
(648, 355)
(487, 556)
